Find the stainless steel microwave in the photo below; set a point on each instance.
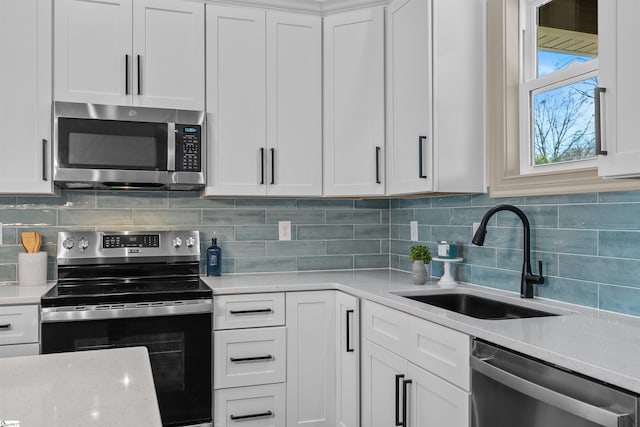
(117, 147)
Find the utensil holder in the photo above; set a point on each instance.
(32, 268)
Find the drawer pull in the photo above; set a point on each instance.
(256, 311)
(249, 416)
(5, 326)
(251, 359)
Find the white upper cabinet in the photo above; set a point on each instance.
(617, 40)
(144, 53)
(435, 52)
(263, 103)
(236, 101)
(168, 46)
(354, 103)
(294, 104)
(25, 96)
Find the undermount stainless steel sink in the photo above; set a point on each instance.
(478, 307)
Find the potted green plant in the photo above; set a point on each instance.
(420, 256)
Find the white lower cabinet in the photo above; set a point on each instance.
(304, 373)
(255, 406)
(19, 326)
(249, 357)
(421, 378)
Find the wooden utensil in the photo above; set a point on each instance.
(38, 243)
(29, 241)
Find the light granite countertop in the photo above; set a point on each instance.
(82, 389)
(599, 344)
(14, 294)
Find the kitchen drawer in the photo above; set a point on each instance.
(248, 310)
(442, 351)
(249, 357)
(18, 324)
(386, 327)
(19, 350)
(256, 406)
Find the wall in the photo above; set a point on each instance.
(589, 243)
(326, 234)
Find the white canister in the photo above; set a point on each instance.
(32, 268)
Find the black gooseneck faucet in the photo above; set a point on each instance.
(528, 278)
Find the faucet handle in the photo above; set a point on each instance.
(540, 277)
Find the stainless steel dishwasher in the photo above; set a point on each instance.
(509, 389)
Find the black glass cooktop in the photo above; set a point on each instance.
(94, 285)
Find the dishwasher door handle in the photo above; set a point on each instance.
(595, 414)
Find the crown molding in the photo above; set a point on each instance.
(316, 7)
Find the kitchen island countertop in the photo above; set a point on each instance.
(596, 343)
(81, 389)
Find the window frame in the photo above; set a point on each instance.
(503, 123)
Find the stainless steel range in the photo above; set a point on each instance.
(138, 288)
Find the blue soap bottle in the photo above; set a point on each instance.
(214, 254)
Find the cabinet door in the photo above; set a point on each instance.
(348, 360)
(380, 402)
(236, 97)
(354, 103)
(433, 402)
(168, 53)
(311, 359)
(25, 96)
(617, 35)
(294, 104)
(409, 114)
(92, 45)
(459, 73)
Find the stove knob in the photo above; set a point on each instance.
(177, 242)
(67, 243)
(190, 242)
(83, 243)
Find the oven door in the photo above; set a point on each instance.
(180, 347)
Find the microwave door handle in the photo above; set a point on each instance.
(171, 146)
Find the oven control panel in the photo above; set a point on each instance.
(92, 246)
(130, 241)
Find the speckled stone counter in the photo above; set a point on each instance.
(103, 388)
(13, 294)
(599, 344)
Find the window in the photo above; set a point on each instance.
(558, 74)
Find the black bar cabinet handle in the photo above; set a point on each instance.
(44, 160)
(139, 77)
(126, 74)
(596, 98)
(398, 378)
(273, 166)
(421, 140)
(248, 416)
(5, 326)
(251, 359)
(378, 165)
(257, 310)
(405, 384)
(349, 348)
(261, 165)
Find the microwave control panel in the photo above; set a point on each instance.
(188, 148)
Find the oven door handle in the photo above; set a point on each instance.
(129, 310)
(595, 414)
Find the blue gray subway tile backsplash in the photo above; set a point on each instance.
(589, 243)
